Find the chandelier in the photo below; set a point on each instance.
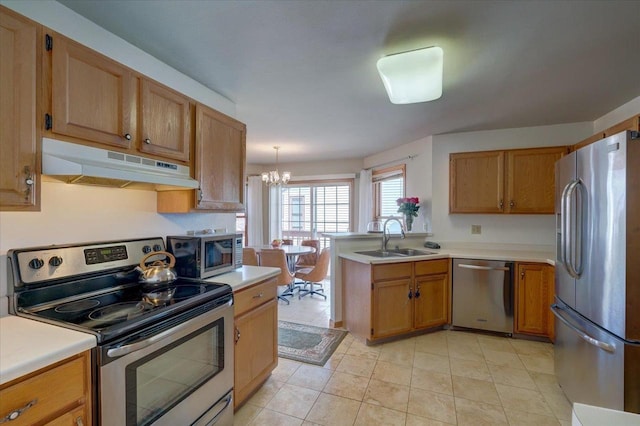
(273, 177)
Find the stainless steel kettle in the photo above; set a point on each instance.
(158, 272)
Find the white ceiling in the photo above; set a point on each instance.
(303, 73)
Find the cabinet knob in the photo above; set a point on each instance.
(79, 422)
(28, 180)
(512, 203)
(237, 334)
(410, 294)
(147, 141)
(127, 136)
(16, 413)
(501, 204)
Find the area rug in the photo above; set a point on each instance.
(306, 343)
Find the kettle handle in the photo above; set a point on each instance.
(172, 259)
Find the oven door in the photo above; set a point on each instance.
(181, 375)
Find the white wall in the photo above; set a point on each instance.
(619, 114)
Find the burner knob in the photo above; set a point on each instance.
(55, 261)
(157, 247)
(146, 249)
(36, 263)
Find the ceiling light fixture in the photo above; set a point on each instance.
(273, 177)
(414, 76)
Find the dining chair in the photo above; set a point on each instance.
(277, 258)
(249, 257)
(315, 275)
(309, 260)
(287, 242)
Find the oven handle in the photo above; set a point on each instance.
(226, 401)
(127, 349)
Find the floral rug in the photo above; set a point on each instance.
(306, 343)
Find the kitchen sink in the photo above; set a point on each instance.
(395, 253)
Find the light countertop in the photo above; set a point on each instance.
(460, 252)
(27, 345)
(245, 276)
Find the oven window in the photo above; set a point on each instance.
(159, 381)
(218, 254)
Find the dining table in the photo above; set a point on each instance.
(291, 252)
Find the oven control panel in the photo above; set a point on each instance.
(40, 264)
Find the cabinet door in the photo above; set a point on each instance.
(220, 160)
(476, 182)
(531, 180)
(93, 97)
(165, 129)
(534, 295)
(431, 299)
(77, 417)
(392, 307)
(19, 135)
(256, 350)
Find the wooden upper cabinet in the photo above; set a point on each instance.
(92, 97)
(220, 160)
(476, 181)
(19, 95)
(530, 182)
(164, 129)
(512, 181)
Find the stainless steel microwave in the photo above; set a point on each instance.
(206, 255)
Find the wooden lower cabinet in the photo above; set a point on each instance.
(389, 300)
(256, 338)
(535, 290)
(59, 395)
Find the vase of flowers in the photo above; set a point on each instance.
(409, 208)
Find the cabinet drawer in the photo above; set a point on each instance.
(426, 267)
(55, 391)
(391, 271)
(249, 298)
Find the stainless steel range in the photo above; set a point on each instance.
(165, 352)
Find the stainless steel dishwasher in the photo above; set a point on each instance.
(483, 295)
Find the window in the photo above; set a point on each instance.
(311, 208)
(388, 186)
(241, 226)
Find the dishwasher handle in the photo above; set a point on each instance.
(484, 268)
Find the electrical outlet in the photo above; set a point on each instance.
(476, 229)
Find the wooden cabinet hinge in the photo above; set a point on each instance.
(372, 331)
(371, 286)
(48, 42)
(48, 119)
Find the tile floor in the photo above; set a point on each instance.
(446, 377)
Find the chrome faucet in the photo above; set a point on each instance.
(385, 236)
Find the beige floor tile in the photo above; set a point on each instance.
(565, 423)
(470, 368)
(310, 376)
(538, 363)
(520, 399)
(433, 381)
(521, 418)
(375, 415)
(499, 344)
(559, 404)
(269, 418)
(398, 354)
(347, 385)
(413, 420)
(293, 400)
(387, 395)
(474, 413)
(462, 336)
(530, 347)
(432, 405)
(431, 362)
(469, 350)
(356, 365)
(333, 410)
(392, 373)
(545, 382)
(359, 349)
(333, 362)
(475, 390)
(245, 414)
(437, 346)
(266, 392)
(285, 369)
(511, 376)
(507, 359)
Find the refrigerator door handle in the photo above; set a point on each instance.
(583, 335)
(567, 239)
(563, 230)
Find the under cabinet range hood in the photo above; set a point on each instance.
(80, 164)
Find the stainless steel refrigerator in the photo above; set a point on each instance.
(597, 309)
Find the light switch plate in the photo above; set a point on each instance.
(476, 229)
